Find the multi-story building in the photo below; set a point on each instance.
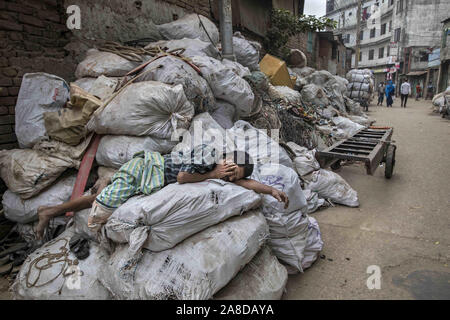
(397, 36)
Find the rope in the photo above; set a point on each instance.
(52, 258)
(127, 52)
(204, 28)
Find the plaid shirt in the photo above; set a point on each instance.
(200, 160)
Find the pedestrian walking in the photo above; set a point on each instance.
(405, 91)
(430, 89)
(381, 88)
(389, 91)
(418, 91)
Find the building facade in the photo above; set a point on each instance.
(396, 36)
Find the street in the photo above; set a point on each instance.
(402, 225)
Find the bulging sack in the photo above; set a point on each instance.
(349, 127)
(190, 27)
(114, 151)
(315, 96)
(226, 84)
(98, 63)
(52, 272)
(330, 185)
(145, 109)
(285, 93)
(39, 93)
(261, 147)
(192, 47)
(225, 114)
(305, 161)
(246, 52)
(314, 243)
(193, 270)
(167, 217)
(173, 71)
(288, 226)
(25, 211)
(237, 68)
(263, 278)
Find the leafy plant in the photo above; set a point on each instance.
(285, 25)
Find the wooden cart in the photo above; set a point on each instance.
(371, 146)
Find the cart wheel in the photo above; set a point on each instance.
(390, 162)
(336, 165)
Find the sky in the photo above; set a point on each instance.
(315, 7)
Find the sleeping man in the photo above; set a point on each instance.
(149, 172)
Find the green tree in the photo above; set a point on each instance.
(285, 25)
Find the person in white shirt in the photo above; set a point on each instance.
(405, 91)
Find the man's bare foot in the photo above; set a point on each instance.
(44, 214)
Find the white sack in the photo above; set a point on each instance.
(305, 161)
(285, 93)
(288, 227)
(114, 151)
(237, 68)
(190, 27)
(85, 83)
(63, 279)
(314, 243)
(173, 71)
(246, 52)
(28, 171)
(225, 114)
(193, 47)
(98, 63)
(364, 121)
(330, 185)
(25, 211)
(349, 127)
(193, 270)
(315, 95)
(263, 278)
(226, 84)
(39, 93)
(163, 219)
(261, 148)
(145, 109)
(313, 200)
(27, 231)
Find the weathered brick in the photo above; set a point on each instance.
(36, 4)
(18, 8)
(30, 46)
(8, 138)
(52, 16)
(10, 16)
(4, 92)
(7, 119)
(6, 82)
(15, 36)
(10, 25)
(12, 109)
(34, 21)
(3, 62)
(3, 110)
(17, 81)
(9, 72)
(13, 91)
(20, 62)
(33, 30)
(6, 129)
(8, 101)
(2, 5)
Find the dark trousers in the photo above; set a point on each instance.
(380, 98)
(404, 98)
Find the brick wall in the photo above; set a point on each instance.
(33, 37)
(198, 6)
(300, 42)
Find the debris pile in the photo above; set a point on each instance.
(441, 103)
(211, 239)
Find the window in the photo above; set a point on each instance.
(388, 50)
(398, 32)
(390, 26)
(333, 51)
(350, 13)
(360, 56)
(391, 2)
(361, 35)
(383, 29)
(372, 33)
(371, 53)
(380, 53)
(347, 38)
(309, 44)
(399, 6)
(424, 57)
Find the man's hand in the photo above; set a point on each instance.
(222, 171)
(281, 197)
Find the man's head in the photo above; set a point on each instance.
(244, 164)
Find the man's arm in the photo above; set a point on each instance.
(219, 172)
(262, 188)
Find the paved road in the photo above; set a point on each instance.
(402, 225)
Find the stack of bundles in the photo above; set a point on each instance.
(361, 84)
(439, 102)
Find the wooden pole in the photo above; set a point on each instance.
(358, 30)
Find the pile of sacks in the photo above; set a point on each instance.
(361, 84)
(212, 239)
(439, 102)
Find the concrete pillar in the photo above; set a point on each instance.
(226, 29)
